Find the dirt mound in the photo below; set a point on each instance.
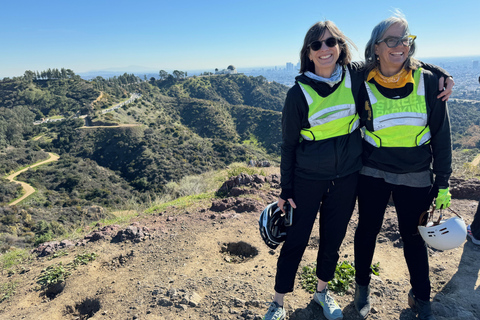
(210, 263)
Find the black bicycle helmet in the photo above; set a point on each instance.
(273, 224)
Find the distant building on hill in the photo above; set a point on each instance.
(230, 70)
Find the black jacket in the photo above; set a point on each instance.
(316, 160)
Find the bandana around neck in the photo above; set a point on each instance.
(334, 78)
(398, 80)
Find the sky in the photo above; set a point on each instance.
(148, 35)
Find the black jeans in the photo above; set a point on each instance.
(475, 227)
(373, 197)
(336, 200)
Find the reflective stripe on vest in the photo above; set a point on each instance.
(331, 116)
(399, 122)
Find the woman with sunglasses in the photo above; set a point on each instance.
(406, 143)
(320, 160)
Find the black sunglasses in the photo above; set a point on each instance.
(317, 44)
(393, 42)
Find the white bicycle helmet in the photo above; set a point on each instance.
(272, 224)
(444, 234)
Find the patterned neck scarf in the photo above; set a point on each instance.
(334, 78)
(398, 80)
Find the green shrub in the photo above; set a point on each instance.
(376, 268)
(45, 231)
(187, 186)
(309, 278)
(12, 258)
(58, 273)
(7, 290)
(344, 276)
(52, 275)
(83, 258)
(58, 254)
(236, 169)
(43, 238)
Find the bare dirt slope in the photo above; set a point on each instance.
(193, 266)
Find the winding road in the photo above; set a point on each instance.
(26, 187)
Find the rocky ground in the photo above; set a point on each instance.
(209, 262)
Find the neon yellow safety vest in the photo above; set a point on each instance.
(399, 122)
(331, 116)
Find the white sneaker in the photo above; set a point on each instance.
(470, 235)
(275, 312)
(331, 310)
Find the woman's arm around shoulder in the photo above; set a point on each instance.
(439, 124)
(445, 80)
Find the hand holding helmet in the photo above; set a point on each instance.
(443, 199)
(442, 234)
(273, 223)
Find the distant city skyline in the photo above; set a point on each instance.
(285, 66)
(190, 35)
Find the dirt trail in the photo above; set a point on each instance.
(99, 97)
(26, 187)
(476, 161)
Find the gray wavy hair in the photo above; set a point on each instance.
(378, 32)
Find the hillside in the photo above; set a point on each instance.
(155, 160)
(128, 157)
(179, 127)
(234, 89)
(465, 120)
(206, 260)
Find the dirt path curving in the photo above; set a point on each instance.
(99, 97)
(476, 161)
(26, 187)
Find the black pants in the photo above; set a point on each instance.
(373, 197)
(475, 227)
(337, 198)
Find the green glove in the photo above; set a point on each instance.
(443, 199)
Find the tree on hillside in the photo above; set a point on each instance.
(29, 75)
(163, 74)
(178, 74)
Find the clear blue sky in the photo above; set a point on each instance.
(203, 35)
